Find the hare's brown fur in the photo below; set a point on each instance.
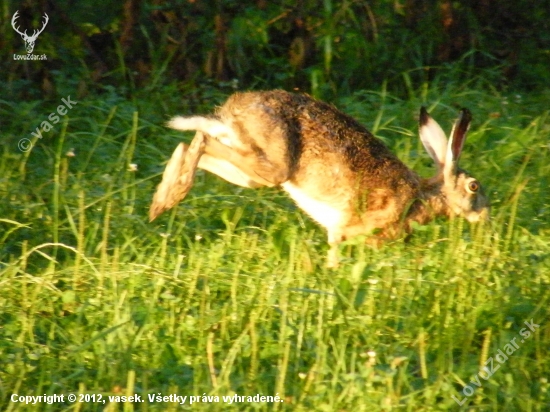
(332, 166)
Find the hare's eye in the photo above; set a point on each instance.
(473, 186)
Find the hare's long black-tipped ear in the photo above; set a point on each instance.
(433, 138)
(458, 134)
(456, 142)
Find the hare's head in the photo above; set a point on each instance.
(460, 193)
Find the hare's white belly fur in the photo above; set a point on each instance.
(324, 213)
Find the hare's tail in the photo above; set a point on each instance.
(210, 126)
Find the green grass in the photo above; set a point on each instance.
(228, 293)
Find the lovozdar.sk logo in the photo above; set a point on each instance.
(29, 40)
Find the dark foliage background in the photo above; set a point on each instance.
(324, 47)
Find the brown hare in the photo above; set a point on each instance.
(333, 167)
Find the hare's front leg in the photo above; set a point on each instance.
(334, 239)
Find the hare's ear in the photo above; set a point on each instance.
(456, 142)
(433, 138)
(458, 134)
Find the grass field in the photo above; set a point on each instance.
(228, 294)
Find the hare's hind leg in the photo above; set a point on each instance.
(178, 176)
(208, 154)
(250, 161)
(227, 171)
(263, 162)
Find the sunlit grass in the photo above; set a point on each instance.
(228, 292)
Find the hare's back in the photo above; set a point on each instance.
(311, 138)
(338, 145)
(277, 114)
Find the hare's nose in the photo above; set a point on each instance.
(482, 215)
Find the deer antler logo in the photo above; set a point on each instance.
(29, 40)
